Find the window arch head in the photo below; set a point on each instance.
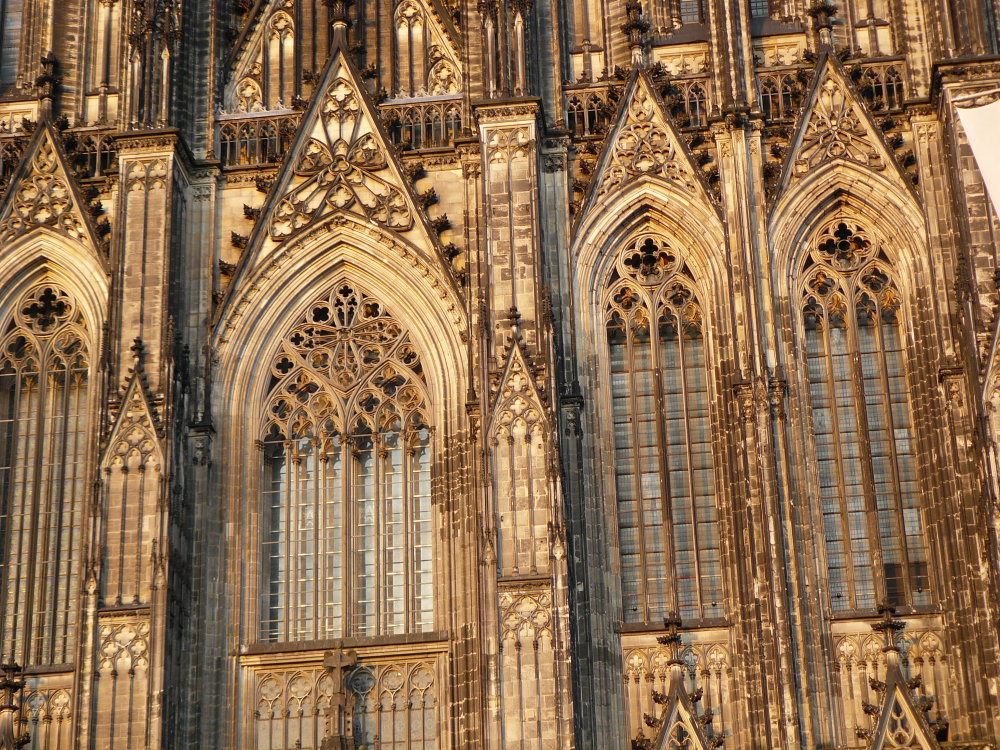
(861, 429)
(346, 486)
(662, 449)
(44, 377)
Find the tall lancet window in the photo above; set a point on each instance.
(665, 488)
(11, 16)
(862, 433)
(346, 485)
(44, 366)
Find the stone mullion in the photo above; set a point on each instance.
(864, 444)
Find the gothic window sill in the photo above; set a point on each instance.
(433, 637)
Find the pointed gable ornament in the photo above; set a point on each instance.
(836, 127)
(135, 433)
(343, 166)
(644, 143)
(900, 718)
(518, 398)
(43, 194)
(679, 726)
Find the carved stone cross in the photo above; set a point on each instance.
(339, 734)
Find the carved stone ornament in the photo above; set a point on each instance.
(43, 198)
(342, 167)
(645, 145)
(133, 442)
(836, 129)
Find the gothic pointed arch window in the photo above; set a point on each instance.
(663, 465)
(346, 519)
(861, 426)
(44, 379)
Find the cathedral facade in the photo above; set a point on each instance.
(512, 374)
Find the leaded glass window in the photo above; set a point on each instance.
(862, 433)
(11, 17)
(663, 466)
(346, 486)
(692, 11)
(44, 367)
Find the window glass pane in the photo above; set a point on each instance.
(667, 516)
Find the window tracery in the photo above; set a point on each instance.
(664, 483)
(346, 487)
(861, 426)
(44, 368)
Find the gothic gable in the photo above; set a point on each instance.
(428, 50)
(900, 723)
(341, 162)
(679, 726)
(133, 437)
(899, 717)
(42, 194)
(643, 144)
(836, 127)
(518, 401)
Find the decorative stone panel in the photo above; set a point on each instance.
(396, 701)
(859, 658)
(708, 656)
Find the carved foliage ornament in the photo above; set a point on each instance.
(342, 168)
(43, 199)
(836, 130)
(645, 146)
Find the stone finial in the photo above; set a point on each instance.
(339, 21)
(822, 13)
(635, 28)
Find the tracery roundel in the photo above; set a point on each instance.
(861, 427)
(664, 483)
